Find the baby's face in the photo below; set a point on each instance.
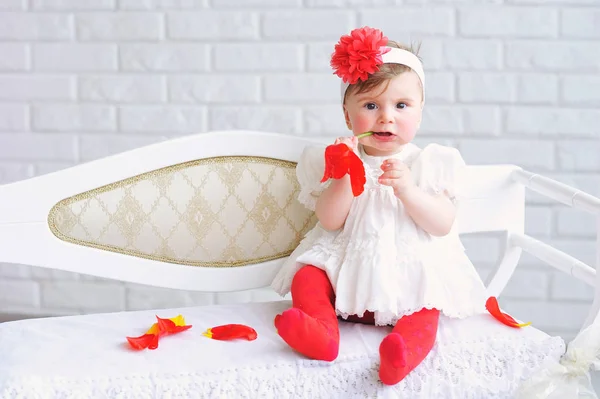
(394, 114)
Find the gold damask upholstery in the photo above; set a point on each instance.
(214, 212)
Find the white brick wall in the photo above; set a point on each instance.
(509, 81)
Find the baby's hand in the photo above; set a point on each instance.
(351, 142)
(397, 175)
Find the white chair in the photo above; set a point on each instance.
(217, 212)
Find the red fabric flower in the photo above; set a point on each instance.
(358, 54)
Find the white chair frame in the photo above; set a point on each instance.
(494, 202)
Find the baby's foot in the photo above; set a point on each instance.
(392, 353)
(307, 335)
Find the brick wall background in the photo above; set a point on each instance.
(508, 81)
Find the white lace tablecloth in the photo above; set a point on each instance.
(88, 357)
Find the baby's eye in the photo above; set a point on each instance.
(401, 105)
(370, 106)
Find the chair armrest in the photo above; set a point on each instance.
(558, 191)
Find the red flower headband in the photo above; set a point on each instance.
(359, 54)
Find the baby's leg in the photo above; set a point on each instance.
(311, 326)
(407, 345)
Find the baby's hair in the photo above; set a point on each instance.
(385, 72)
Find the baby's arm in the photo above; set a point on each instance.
(433, 213)
(334, 204)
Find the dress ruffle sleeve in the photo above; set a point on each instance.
(309, 172)
(440, 169)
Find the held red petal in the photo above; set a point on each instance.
(228, 332)
(357, 174)
(492, 306)
(336, 161)
(341, 160)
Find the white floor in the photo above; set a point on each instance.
(595, 375)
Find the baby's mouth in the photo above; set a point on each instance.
(383, 134)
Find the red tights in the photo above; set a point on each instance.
(311, 328)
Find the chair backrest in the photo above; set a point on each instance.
(492, 200)
(209, 212)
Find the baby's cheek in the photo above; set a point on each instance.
(408, 134)
(413, 123)
(362, 122)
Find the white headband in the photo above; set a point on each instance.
(397, 56)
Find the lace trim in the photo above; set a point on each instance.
(480, 369)
(389, 318)
(308, 195)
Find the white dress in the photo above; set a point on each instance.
(380, 260)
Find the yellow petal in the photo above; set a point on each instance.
(153, 329)
(178, 320)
